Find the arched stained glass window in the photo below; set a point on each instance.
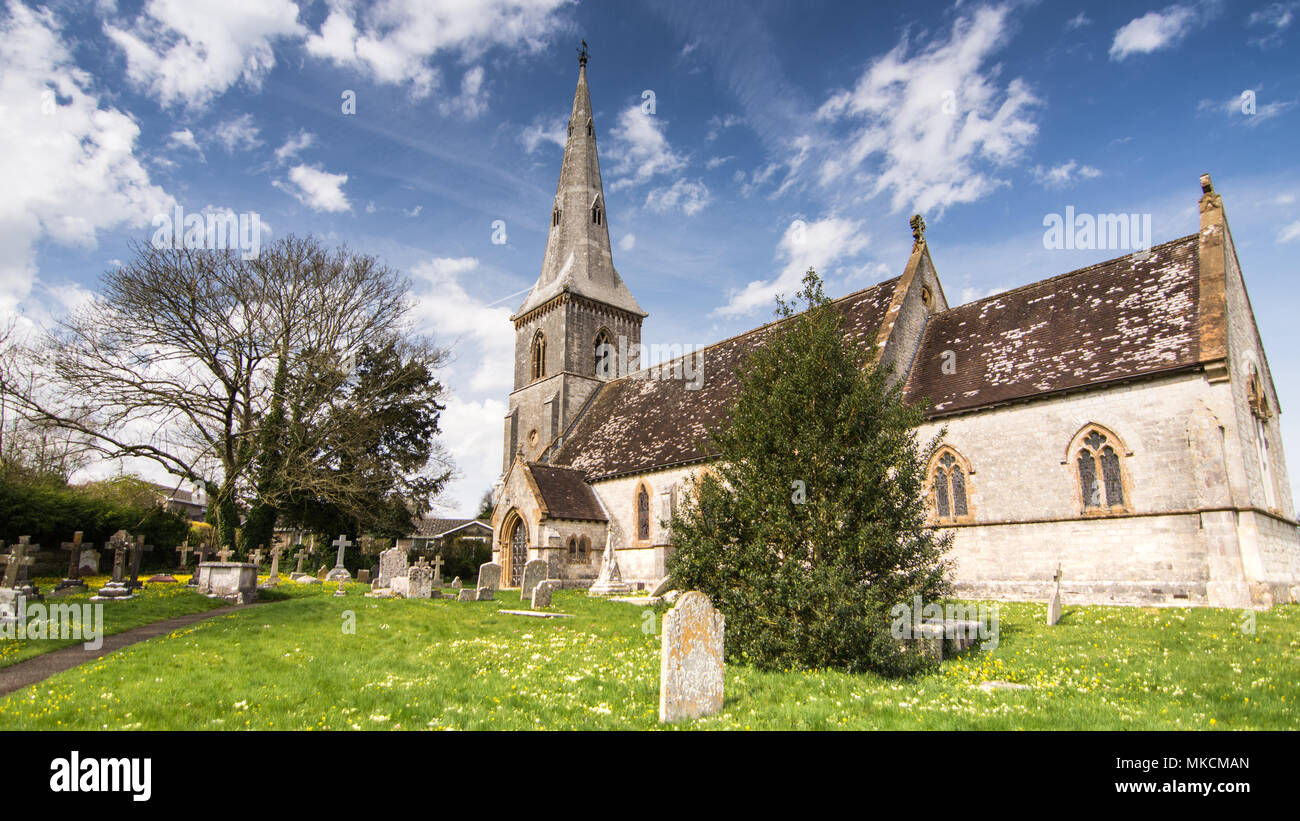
(1101, 477)
(948, 478)
(643, 514)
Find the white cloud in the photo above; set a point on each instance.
(445, 309)
(932, 117)
(317, 189)
(627, 243)
(1063, 175)
(820, 244)
(714, 162)
(689, 196)
(542, 130)
(472, 101)
(639, 150)
(1078, 21)
(472, 432)
(1154, 30)
(302, 140)
(1276, 16)
(719, 124)
(1290, 232)
(1235, 108)
(68, 164)
(394, 40)
(237, 133)
(185, 139)
(189, 51)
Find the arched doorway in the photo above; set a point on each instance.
(518, 551)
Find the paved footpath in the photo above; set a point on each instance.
(25, 673)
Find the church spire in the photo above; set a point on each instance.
(578, 258)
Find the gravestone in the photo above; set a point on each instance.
(116, 589)
(610, 579)
(363, 576)
(73, 580)
(542, 595)
(437, 570)
(137, 551)
(255, 558)
(340, 573)
(419, 579)
(340, 591)
(489, 576)
(300, 555)
(485, 594)
(392, 564)
(16, 573)
(455, 583)
(691, 663)
(534, 572)
(467, 595)
(1054, 602)
(322, 573)
(274, 579)
(182, 550)
(201, 553)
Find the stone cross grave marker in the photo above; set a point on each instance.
(1054, 602)
(534, 572)
(275, 565)
(300, 555)
(23, 583)
(340, 591)
(257, 555)
(183, 551)
(437, 570)
(137, 551)
(18, 560)
(690, 661)
(73, 579)
(340, 572)
(224, 554)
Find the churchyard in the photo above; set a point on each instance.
(307, 658)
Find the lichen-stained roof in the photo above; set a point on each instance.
(1126, 317)
(566, 494)
(431, 527)
(641, 423)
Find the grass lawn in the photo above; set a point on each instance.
(415, 664)
(155, 603)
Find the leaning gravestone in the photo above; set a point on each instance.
(542, 595)
(1054, 603)
(691, 662)
(489, 576)
(534, 574)
(392, 563)
(419, 579)
(455, 583)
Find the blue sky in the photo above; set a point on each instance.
(773, 136)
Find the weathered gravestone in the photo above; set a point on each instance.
(16, 573)
(485, 594)
(455, 583)
(392, 564)
(419, 581)
(691, 662)
(73, 580)
(322, 573)
(116, 589)
(542, 595)
(610, 580)
(467, 595)
(274, 579)
(137, 552)
(363, 576)
(1054, 603)
(489, 576)
(300, 555)
(534, 573)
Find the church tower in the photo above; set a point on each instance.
(580, 326)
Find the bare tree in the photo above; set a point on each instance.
(199, 360)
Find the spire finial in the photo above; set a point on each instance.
(918, 228)
(582, 54)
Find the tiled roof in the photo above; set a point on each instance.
(638, 423)
(431, 528)
(1118, 319)
(566, 493)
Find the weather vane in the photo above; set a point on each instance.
(582, 54)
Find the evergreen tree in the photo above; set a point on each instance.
(811, 524)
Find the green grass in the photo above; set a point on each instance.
(452, 665)
(155, 603)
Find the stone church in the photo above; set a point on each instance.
(1118, 422)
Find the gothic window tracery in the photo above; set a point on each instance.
(604, 355)
(948, 482)
(539, 356)
(1101, 475)
(643, 514)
